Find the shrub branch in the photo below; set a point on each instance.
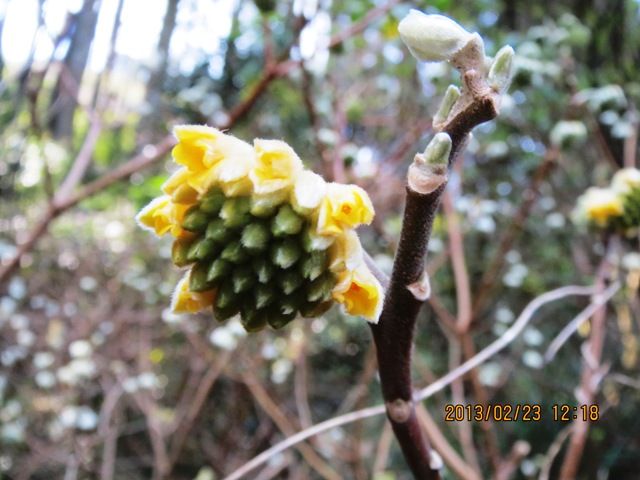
(394, 333)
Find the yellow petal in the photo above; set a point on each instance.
(194, 144)
(200, 147)
(185, 186)
(599, 205)
(626, 180)
(185, 194)
(277, 166)
(308, 192)
(202, 181)
(346, 252)
(162, 216)
(344, 206)
(360, 293)
(175, 181)
(233, 175)
(185, 301)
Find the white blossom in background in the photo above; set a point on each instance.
(555, 220)
(533, 337)
(25, 338)
(76, 370)
(80, 349)
(504, 315)
(568, 132)
(515, 275)
(45, 379)
(489, 374)
(631, 261)
(280, 370)
(228, 335)
(533, 359)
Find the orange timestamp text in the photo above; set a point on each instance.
(519, 412)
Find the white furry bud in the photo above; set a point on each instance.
(432, 38)
(438, 150)
(501, 70)
(429, 169)
(451, 96)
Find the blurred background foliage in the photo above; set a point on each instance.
(99, 380)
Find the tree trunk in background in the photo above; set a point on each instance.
(1, 58)
(64, 98)
(228, 89)
(111, 57)
(509, 15)
(156, 80)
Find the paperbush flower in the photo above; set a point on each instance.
(626, 180)
(614, 208)
(599, 205)
(344, 207)
(261, 236)
(357, 290)
(163, 215)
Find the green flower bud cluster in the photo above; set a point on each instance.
(258, 257)
(629, 221)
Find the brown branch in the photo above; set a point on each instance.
(283, 423)
(394, 333)
(442, 446)
(359, 26)
(382, 451)
(141, 161)
(195, 407)
(589, 380)
(301, 392)
(59, 205)
(519, 451)
(488, 352)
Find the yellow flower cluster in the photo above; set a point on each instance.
(268, 174)
(614, 207)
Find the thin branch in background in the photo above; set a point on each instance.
(152, 153)
(382, 450)
(631, 142)
(552, 453)
(358, 27)
(195, 407)
(463, 470)
(519, 451)
(492, 349)
(148, 155)
(283, 423)
(499, 344)
(591, 374)
(362, 384)
(464, 429)
(459, 265)
(461, 328)
(301, 392)
(109, 431)
(507, 239)
(625, 380)
(571, 327)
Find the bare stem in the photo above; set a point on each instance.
(394, 333)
